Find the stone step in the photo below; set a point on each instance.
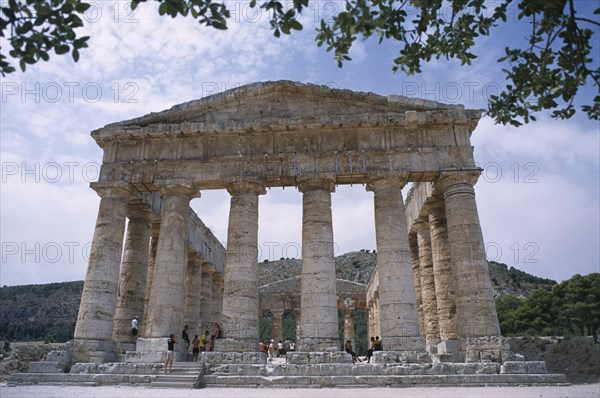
(382, 381)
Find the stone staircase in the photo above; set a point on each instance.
(183, 375)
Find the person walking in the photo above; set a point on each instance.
(170, 353)
(134, 329)
(195, 348)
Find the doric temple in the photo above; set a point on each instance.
(431, 286)
(430, 298)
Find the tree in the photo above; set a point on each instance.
(545, 72)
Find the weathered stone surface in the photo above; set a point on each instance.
(319, 324)
(116, 368)
(299, 358)
(240, 295)
(47, 367)
(398, 316)
(524, 367)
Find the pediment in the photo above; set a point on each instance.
(282, 100)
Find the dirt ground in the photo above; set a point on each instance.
(574, 391)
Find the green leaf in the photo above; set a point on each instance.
(62, 49)
(75, 54)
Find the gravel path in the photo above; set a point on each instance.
(574, 391)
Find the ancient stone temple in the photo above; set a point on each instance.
(430, 299)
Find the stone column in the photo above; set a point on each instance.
(217, 297)
(155, 229)
(277, 330)
(132, 287)
(398, 315)
(416, 269)
(474, 297)
(444, 279)
(240, 279)
(318, 298)
(432, 332)
(298, 317)
(349, 325)
(377, 318)
(193, 284)
(99, 297)
(167, 299)
(206, 299)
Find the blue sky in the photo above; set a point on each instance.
(538, 196)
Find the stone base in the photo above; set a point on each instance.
(319, 344)
(233, 345)
(97, 351)
(305, 358)
(220, 358)
(448, 347)
(486, 349)
(47, 367)
(404, 343)
(394, 357)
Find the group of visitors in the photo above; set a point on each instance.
(199, 345)
(376, 345)
(276, 350)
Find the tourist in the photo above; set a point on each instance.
(195, 348)
(370, 350)
(348, 348)
(185, 337)
(170, 353)
(134, 329)
(211, 345)
(204, 341)
(378, 344)
(263, 350)
(280, 349)
(292, 346)
(271, 350)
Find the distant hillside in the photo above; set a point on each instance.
(39, 312)
(507, 280)
(48, 312)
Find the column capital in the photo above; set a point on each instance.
(435, 207)
(324, 184)
(378, 183)
(118, 190)
(139, 211)
(178, 187)
(246, 186)
(422, 229)
(449, 178)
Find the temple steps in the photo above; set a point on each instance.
(183, 375)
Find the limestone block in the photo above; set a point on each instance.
(525, 367)
(63, 356)
(513, 367)
(47, 367)
(329, 357)
(116, 368)
(448, 346)
(228, 357)
(298, 358)
(472, 356)
(491, 355)
(382, 357)
(147, 356)
(488, 368)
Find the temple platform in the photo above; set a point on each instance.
(299, 369)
